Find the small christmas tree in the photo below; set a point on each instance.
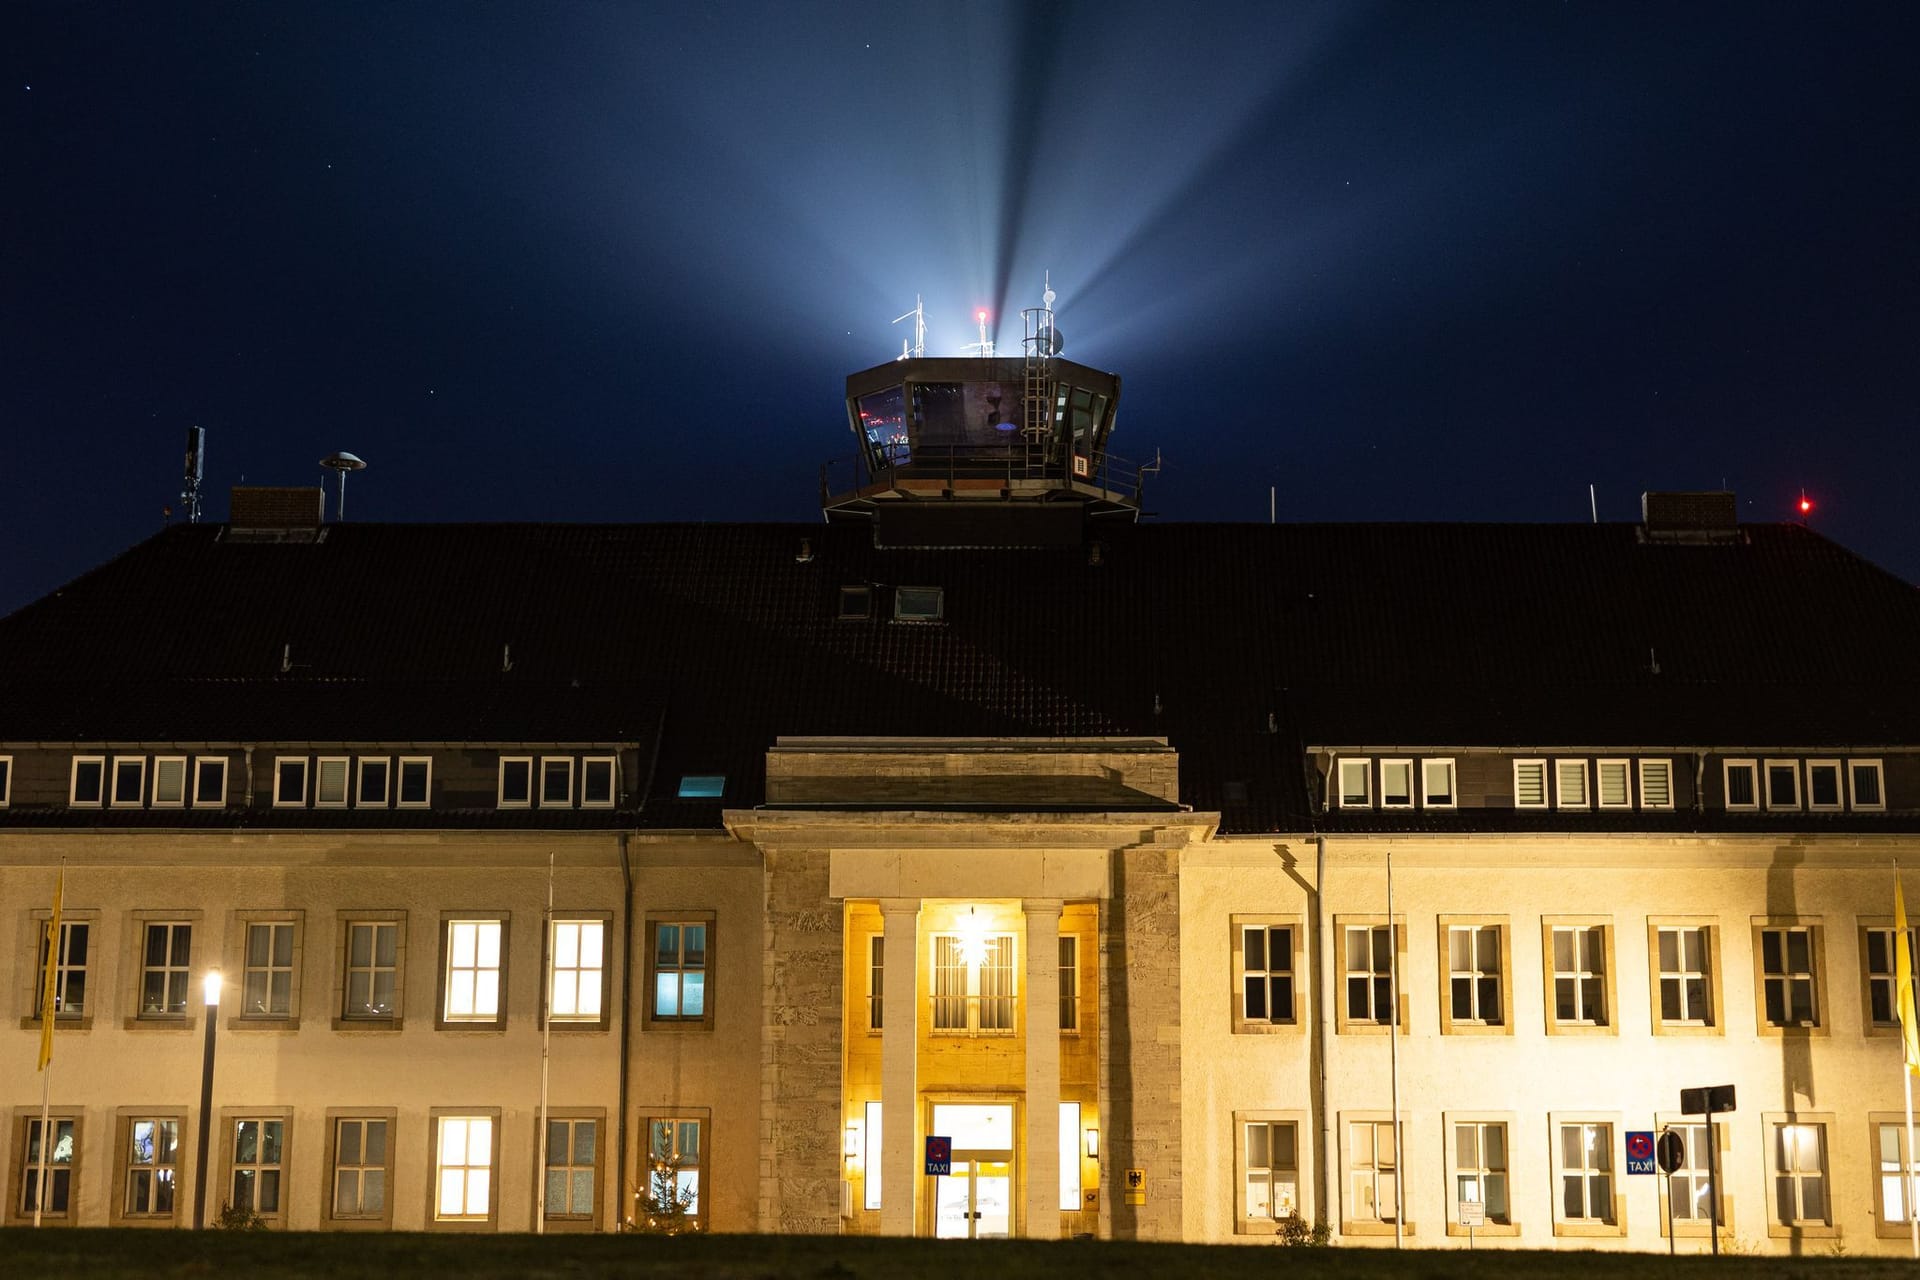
(667, 1207)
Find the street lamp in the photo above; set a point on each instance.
(210, 987)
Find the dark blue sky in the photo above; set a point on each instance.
(610, 262)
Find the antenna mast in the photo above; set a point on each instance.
(1039, 345)
(196, 467)
(919, 315)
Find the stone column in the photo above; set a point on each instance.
(1043, 1069)
(899, 1088)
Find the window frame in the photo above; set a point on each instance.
(73, 783)
(87, 918)
(850, 593)
(1450, 1122)
(695, 786)
(1867, 927)
(876, 975)
(1344, 1024)
(400, 767)
(1727, 766)
(1823, 1123)
(120, 1212)
(1449, 1025)
(500, 800)
(1561, 764)
(1587, 1227)
(6, 781)
(1427, 800)
(139, 800)
(1884, 1227)
(703, 1163)
(1546, 782)
(444, 1017)
(1351, 1169)
(1685, 1228)
(1238, 925)
(1767, 768)
(546, 764)
(344, 968)
(437, 1118)
(23, 1167)
(1340, 766)
(239, 937)
(974, 998)
(1873, 765)
(227, 1165)
(1839, 768)
(280, 798)
(1244, 1222)
(572, 1117)
(901, 613)
(140, 923)
(1821, 1023)
(1413, 793)
(1600, 767)
(200, 764)
(587, 764)
(330, 1216)
(1715, 965)
(1609, 1025)
(1649, 765)
(360, 766)
(1069, 978)
(320, 764)
(186, 777)
(573, 1022)
(703, 1021)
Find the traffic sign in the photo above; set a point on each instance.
(1640, 1151)
(939, 1157)
(1670, 1151)
(1712, 1098)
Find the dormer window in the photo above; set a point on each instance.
(1396, 784)
(1614, 783)
(416, 782)
(1529, 784)
(596, 782)
(330, 782)
(209, 782)
(1356, 784)
(129, 781)
(1656, 784)
(376, 782)
(556, 782)
(1864, 779)
(1570, 784)
(1823, 785)
(516, 782)
(1742, 784)
(919, 604)
(1783, 784)
(290, 782)
(169, 782)
(1436, 784)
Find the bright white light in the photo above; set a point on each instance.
(210, 987)
(973, 938)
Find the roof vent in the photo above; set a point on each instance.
(262, 513)
(1710, 516)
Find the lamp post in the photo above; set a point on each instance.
(210, 986)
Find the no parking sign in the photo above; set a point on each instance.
(1640, 1151)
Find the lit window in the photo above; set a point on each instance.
(290, 782)
(360, 1166)
(1530, 784)
(679, 970)
(918, 604)
(1396, 784)
(330, 782)
(556, 782)
(1070, 1184)
(876, 981)
(1369, 973)
(70, 969)
(1480, 1169)
(1266, 960)
(1899, 1177)
(702, 786)
(1437, 783)
(1688, 1187)
(164, 967)
(1270, 1171)
(1586, 1173)
(1474, 978)
(266, 989)
(1823, 785)
(1356, 777)
(209, 782)
(463, 1169)
(1656, 784)
(871, 1167)
(376, 782)
(88, 786)
(573, 1150)
(1686, 976)
(153, 1158)
(1069, 982)
(373, 967)
(256, 1164)
(971, 993)
(1580, 975)
(1787, 978)
(1882, 992)
(1614, 784)
(169, 782)
(672, 1198)
(62, 1158)
(1864, 777)
(416, 782)
(1570, 783)
(596, 782)
(579, 960)
(516, 782)
(472, 991)
(129, 781)
(1372, 1169)
(1800, 1175)
(1783, 784)
(1742, 784)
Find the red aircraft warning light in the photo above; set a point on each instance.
(1806, 504)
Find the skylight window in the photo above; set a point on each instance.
(856, 602)
(702, 786)
(919, 604)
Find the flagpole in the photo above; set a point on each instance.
(1904, 1010)
(1393, 1052)
(47, 1013)
(546, 1051)
(46, 1093)
(1913, 1219)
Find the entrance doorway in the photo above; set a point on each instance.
(975, 1201)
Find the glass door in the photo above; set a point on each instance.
(953, 1203)
(992, 1199)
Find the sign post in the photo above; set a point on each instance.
(1706, 1101)
(1670, 1151)
(1473, 1213)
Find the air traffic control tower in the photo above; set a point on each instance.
(983, 450)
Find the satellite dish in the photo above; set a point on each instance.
(1050, 340)
(343, 462)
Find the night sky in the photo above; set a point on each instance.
(567, 261)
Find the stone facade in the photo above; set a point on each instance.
(801, 1047)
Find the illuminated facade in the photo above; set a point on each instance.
(980, 812)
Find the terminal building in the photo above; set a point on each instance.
(1184, 878)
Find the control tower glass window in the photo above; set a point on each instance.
(963, 417)
(883, 417)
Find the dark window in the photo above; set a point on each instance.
(1267, 955)
(556, 781)
(918, 604)
(1823, 786)
(290, 787)
(856, 602)
(596, 780)
(516, 782)
(129, 780)
(210, 780)
(89, 780)
(414, 777)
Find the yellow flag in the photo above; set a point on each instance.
(53, 969)
(1903, 976)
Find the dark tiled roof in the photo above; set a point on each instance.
(1239, 643)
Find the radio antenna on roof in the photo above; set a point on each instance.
(342, 463)
(196, 468)
(919, 316)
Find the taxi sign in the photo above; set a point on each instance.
(1640, 1157)
(939, 1157)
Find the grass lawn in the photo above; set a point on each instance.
(27, 1255)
